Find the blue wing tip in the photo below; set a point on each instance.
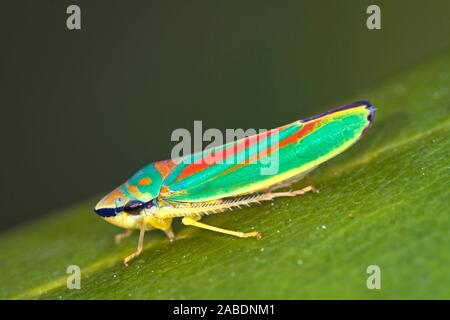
(371, 108)
(355, 104)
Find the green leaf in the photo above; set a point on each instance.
(385, 202)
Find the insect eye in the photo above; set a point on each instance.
(133, 206)
(149, 204)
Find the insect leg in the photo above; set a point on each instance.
(272, 195)
(119, 237)
(188, 221)
(205, 208)
(139, 248)
(170, 235)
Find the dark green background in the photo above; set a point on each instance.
(82, 110)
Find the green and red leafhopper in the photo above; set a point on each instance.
(191, 187)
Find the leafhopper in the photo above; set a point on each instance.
(192, 187)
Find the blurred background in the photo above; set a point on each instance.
(83, 110)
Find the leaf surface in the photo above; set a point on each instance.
(384, 202)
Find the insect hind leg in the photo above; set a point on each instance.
(292, 193)
(189, 221)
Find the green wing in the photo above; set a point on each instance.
(258, 162)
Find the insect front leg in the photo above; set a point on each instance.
(188, 221)
(139, 248)
(119, 237)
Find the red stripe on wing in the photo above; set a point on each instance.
(307, 128)
(295, 137)
(229, 152)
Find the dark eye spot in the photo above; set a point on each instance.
(149, 204)
(133, 206)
